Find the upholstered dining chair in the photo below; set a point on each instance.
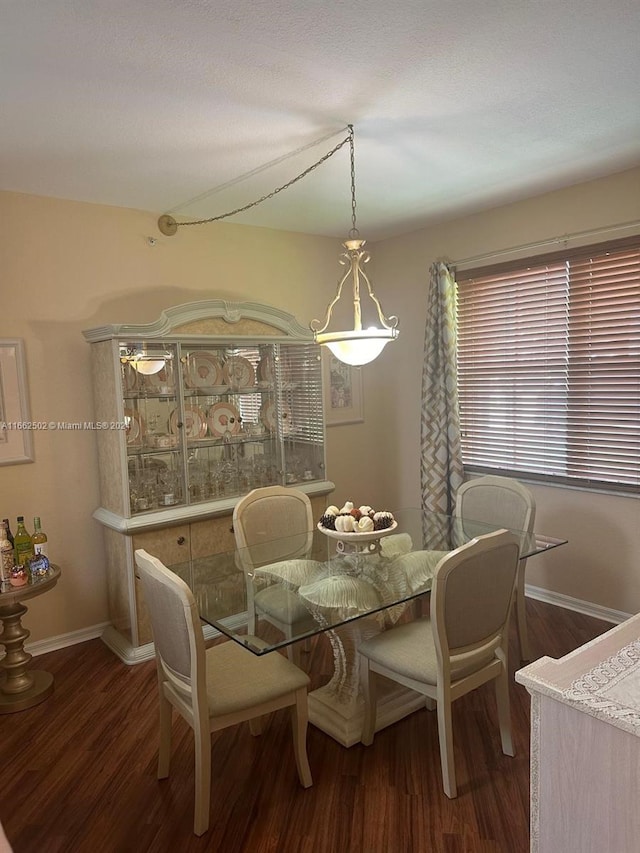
(273, 528)
(462, 645)
(503, 502)
(215, 687)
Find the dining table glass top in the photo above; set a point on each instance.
(281, 590)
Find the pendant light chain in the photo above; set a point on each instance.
(354, 231)
(286, 186)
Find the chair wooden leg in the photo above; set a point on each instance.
(504, 711)
(299, 719)
(445, 738)
(164, 750)
(202, 744)
(368, 681)
(521, 615)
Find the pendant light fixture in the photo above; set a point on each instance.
(354, 346)
(359, 345)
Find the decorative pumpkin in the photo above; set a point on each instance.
(345, 523)
(365, 525)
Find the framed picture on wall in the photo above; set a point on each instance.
(16, 444)
(343, 391)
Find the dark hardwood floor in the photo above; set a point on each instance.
(78, 772)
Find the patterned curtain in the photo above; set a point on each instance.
(441, 470)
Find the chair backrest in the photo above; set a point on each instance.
(175, 624)
(498, 501)
(272, 524)
(471, 597)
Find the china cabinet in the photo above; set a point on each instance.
(210, 401)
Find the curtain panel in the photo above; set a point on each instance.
(441, 471)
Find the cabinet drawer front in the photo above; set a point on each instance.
(169, 544)
(212, 536)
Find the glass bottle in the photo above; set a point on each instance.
(23, 547)
(39, 539)
(9, 533)
(6, 554)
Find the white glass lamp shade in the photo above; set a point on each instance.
(357, 347)
(148, 365)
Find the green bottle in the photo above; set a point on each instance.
(23, 546)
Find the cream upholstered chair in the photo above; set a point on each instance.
(274, 525)
(503, 502)
(216, 687)
(462, 645)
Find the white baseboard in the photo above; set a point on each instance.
(123, 649)
(137, 654)
(52, 644)
(587, 608)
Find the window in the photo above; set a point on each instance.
(549, 367)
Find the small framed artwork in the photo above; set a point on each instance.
(16, 443)
(342, 391)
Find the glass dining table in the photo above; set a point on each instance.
(348, 587)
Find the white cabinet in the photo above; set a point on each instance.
(585, 746)
(212, 400)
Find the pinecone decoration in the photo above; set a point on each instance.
(328, 520)
(382, 520)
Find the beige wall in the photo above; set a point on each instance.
(67, 266)
(601, 564)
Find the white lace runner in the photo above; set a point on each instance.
(613, 687)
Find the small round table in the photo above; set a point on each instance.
(21, 688)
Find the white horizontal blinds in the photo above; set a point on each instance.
(301, 383)
(548, 366)
(511, 369)
(604, 367)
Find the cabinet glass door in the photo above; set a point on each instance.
(151, 403)
(301, 422)
(230, 394)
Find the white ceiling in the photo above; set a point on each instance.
(458, 105)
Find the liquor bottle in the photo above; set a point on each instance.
(23, 547)
(9, 533)
(6, 554)
(39, 539)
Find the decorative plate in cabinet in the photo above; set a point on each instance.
(238, 373)
(195, 423)
(202, 370)
(269, 416)
(223, 418)
(136, 429)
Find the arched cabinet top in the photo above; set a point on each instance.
(207, 318)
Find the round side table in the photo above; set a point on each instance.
(21, 688)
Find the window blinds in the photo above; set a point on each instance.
(549, 366)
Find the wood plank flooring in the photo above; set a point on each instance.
(78, 772)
